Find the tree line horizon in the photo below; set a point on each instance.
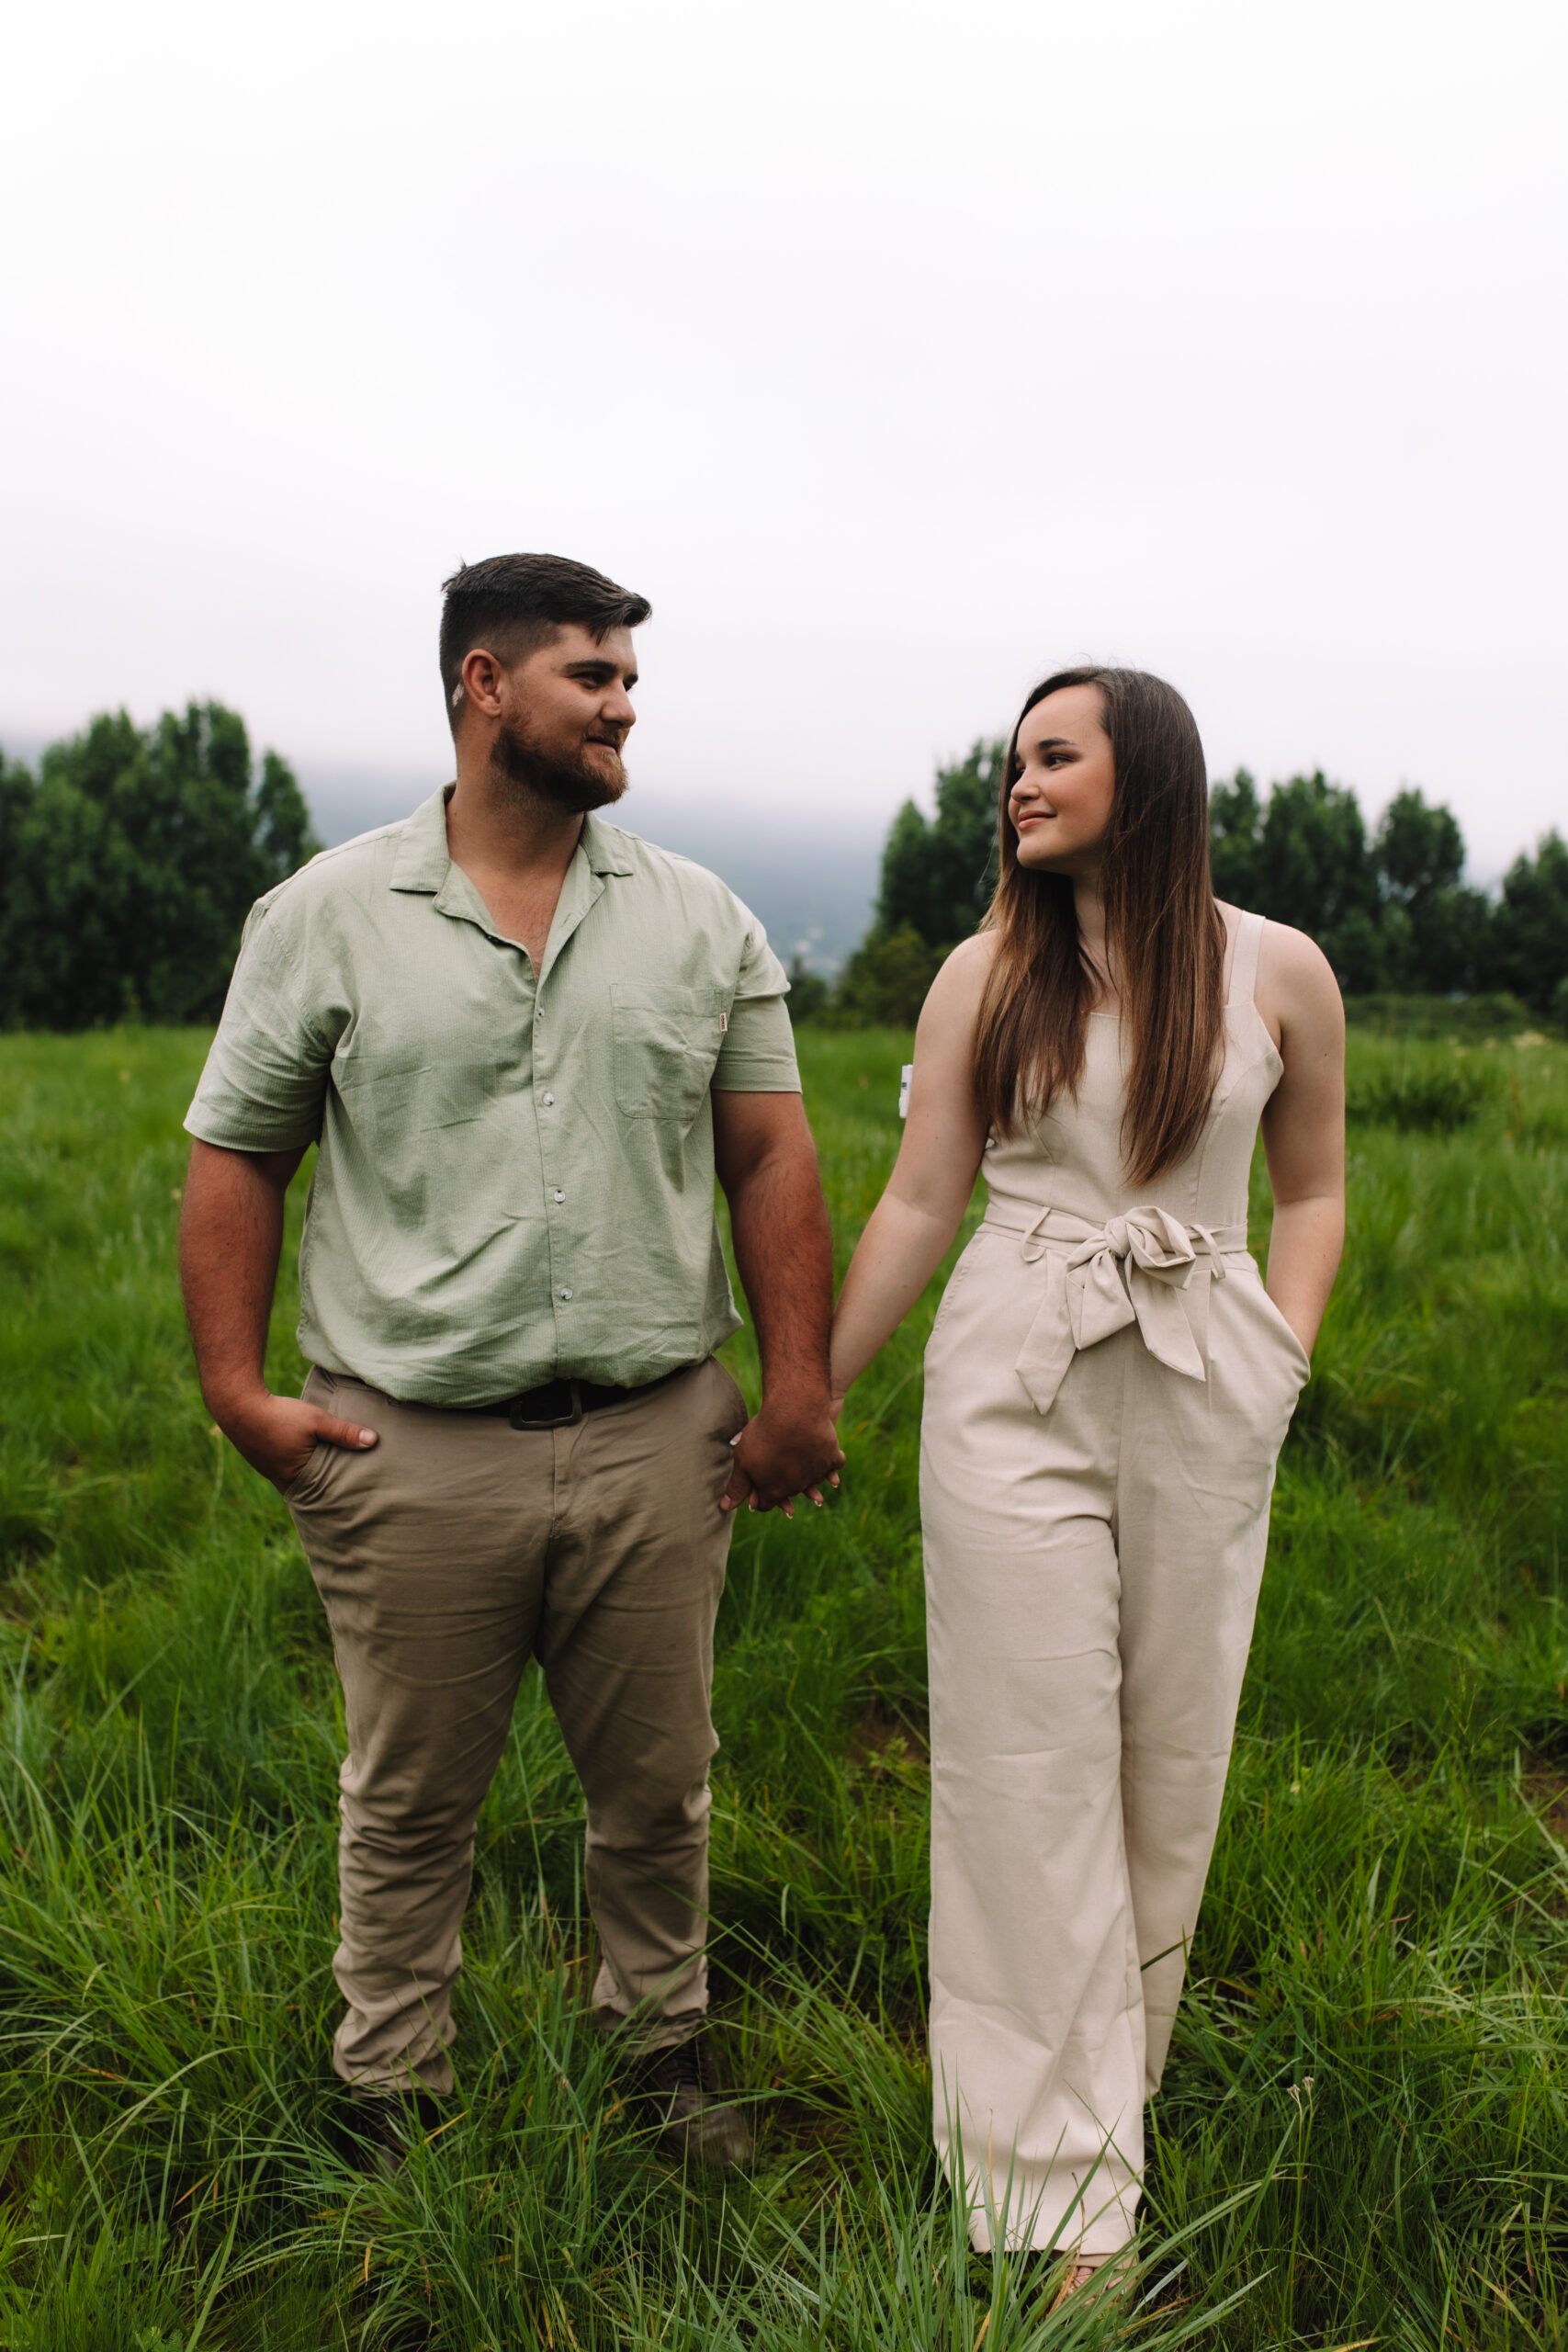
(130, 861)
(1390, 906)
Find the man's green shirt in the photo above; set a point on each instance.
(516, 1175)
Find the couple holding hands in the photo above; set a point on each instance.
(526, 1042)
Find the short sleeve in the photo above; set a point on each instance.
(757, 1056)
(264, 1086)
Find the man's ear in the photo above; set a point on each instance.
(479, 677)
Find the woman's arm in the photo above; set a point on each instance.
(911, 1227)
(1303, 1126)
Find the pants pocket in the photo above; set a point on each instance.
(308, 1481)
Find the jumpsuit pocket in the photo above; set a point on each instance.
(666, 1044)
(1303, 1361)
(955, 1280)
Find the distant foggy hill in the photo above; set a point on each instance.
(812, 882)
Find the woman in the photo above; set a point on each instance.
(1108, 1385)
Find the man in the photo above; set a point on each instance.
(525, 1041)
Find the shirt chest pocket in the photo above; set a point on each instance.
(667, 1041)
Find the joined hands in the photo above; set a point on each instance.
(790, 1447)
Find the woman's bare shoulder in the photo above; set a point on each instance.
(969, 966)
(955, 993)
(1296, 989)
(1297, 992)
(1284, 955)
(1290, 958)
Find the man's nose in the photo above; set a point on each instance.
(616, 708)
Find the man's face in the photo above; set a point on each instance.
(565, 714)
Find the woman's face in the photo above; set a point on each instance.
(1061, 801)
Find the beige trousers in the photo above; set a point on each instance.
(446, 1556)
(1092, 1570)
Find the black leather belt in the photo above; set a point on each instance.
(561, 1404)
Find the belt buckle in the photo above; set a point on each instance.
(557, 1420)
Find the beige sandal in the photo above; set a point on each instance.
(1084, 2268)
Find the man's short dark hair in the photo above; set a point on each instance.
(513, 604)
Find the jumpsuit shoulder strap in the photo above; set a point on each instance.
(1243, 963)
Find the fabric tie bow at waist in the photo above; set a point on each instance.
(1134, 1268)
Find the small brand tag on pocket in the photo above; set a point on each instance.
(723, 1023)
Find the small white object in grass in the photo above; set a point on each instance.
(904, 1075)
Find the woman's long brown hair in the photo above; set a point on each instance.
(1164, 936)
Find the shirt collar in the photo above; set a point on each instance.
(423, 861)
(606, 847)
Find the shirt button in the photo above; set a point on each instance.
(547, 1100)
(566, 1293)
(561, 1196)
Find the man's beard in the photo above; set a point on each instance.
(571, 784)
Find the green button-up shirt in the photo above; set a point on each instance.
(515, 1176)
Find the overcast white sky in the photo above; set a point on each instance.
(895, 351)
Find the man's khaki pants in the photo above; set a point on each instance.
(447, 1555)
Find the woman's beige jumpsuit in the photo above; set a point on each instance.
(1108, 1387)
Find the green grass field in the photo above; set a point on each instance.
(1363, 2137)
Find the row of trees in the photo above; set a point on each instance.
(1391, 909)
(1391, 912)
(128, 865)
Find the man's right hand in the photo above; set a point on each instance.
(277, 1435)
(230, 1232)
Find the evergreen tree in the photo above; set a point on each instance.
(1435, 929)
(131, 864)
(1315, 871)
(18, 787)
(1303, 858)
(1529, 929)
(937, 878)
(1236, 830)
(885, 980)
(808, 992)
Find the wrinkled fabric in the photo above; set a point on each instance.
(1108, 1385)
(515, 1179)
(447, 1555)
(1136, 1268)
